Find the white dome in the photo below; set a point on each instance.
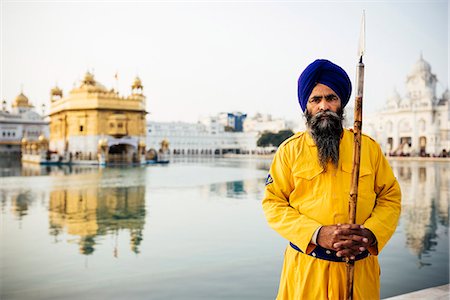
(421, 66)
(393, 99)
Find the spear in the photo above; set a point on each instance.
(357, 125)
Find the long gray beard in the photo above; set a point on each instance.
(326, 130)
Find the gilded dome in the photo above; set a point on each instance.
(56, 91)
(137, 84)
(42, 138)
(21, 101)
(89, 78)
(89, 84)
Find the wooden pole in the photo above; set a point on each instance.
(357, 125)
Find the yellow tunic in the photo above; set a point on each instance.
(300, 197)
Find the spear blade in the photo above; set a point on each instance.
(362, 37)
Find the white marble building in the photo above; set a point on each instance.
(199, 139)
(22, 121)
(264, 122)
(417, 123)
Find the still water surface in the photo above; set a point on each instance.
(193, 229)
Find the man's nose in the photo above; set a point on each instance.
(323, 105)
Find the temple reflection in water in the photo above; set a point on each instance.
(92, 212)
(425, 202)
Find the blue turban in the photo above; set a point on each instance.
(325, 72)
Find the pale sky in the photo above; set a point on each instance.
(198, 58)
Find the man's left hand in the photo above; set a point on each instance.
(354, 240)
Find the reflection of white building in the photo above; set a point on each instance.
(425, 201)
(419, 122)
(21, 122)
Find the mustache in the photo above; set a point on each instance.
(327, 114)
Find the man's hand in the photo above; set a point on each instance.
(348, 240)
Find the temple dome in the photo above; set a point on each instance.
(56, 91)
(88, 83)
(21, 101)
(137, 83)
(393, 99)
(421, 66)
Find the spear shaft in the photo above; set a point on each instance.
(357, 126)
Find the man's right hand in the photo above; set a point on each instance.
(348, 240)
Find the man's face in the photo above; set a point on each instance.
(322, 98)
(324, 117)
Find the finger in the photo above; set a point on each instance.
(354, 238)
(348, 245)
(347, 231)
(347, 253)
(351, 226)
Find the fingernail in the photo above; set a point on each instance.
(362, 226)
(365, 240)
(338, 254)
(362, 249)
(352, 257)
(336, 245)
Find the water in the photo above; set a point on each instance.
(193, 229)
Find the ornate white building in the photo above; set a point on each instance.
(21, 122)
(211, 135)
(417, 123)
(199, 139)
(264, 122)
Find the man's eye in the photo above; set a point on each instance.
(332, 98)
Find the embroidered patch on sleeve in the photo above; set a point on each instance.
(269, 179)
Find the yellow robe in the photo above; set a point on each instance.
(300, 197)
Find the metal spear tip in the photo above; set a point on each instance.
(362, 37)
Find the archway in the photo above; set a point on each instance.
(423, 146)
(122, 153)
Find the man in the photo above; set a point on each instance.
(307, 194)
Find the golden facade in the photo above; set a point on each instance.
(93, 121)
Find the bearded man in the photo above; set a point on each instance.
(307, 193)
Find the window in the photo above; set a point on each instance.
(81, 128)
(120, 125)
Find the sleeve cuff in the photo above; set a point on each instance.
(314, 237)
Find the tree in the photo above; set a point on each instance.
(268, 138)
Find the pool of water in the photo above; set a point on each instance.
(193, 229)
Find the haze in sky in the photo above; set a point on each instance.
(198, 58)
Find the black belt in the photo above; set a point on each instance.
(326, 254)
